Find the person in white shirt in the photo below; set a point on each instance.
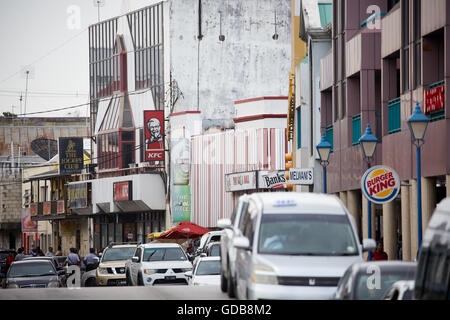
(50, 253)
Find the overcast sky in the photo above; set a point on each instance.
(51, 37)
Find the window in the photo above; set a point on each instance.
(405, 45)
(299, 128)
(329, 135)
(343, 99)
(356, 129)
(394, 117)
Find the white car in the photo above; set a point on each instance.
(227, 250)
(295, 246)
(206, 272)
(206, 239)
(158, 263)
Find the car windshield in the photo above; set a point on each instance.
(164, 254)
(208, 268)
(32, 269)
(116, 254)
(306, 234)
(3, 255)
(369, 289)
(215, 250)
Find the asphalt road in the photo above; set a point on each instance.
(117, 293)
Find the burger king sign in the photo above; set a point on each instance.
(380, 184)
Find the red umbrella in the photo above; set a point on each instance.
(185, 230)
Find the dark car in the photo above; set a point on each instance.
(433, 272)
(53, 260)
(3, 255)
(371, 280)
(32, 274)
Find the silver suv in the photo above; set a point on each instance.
(295, 246)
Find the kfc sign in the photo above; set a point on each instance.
(154, 135)
(122, 191)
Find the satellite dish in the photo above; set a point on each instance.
(45, 148)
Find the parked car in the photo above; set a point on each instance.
(206, 239)
(227, 250)
(371, 280)
(295, 246)
(213, 249)
(89, 278)
(433, 271)
(400, 290)
(3, 255)
(33, 274)
(158, 263)
(206, 272)
(53, 260)
(111, 269)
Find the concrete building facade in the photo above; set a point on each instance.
(386, 57)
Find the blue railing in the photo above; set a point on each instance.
(394, 117)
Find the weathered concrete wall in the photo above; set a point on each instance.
(249, 63)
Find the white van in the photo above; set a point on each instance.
(295, 246)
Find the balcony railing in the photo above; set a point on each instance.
(47, 208)
(394, 118)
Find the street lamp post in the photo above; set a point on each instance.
(324, 149)
(368, 143)
(418, 123)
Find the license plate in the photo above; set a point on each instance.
(170, 277)
(121, 282)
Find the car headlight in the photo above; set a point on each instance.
(102, 270)
(264, 275)
(12, 286)
(53, 284)
(150, 271)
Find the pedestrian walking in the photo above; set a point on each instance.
(39, 252)
(91, 260)
(73, 259)
(34, 252)
(10, 259)
(20, 254)
(50, 252)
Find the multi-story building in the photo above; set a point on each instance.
(180, 57)
(20, 147)
(386, 57)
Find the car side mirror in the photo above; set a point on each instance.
(369, 245)
(188, 274)
(224, 223)
(242, 243)
(135, 259)
(61, 272)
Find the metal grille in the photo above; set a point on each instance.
(309, 281)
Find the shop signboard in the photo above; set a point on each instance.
(67, 228)
(60, 206)
(77, 195)
(272, 179)
(434, 98)
(71, 157)
(380, 184)
(47, 208)
(28, 225)
(154, 135)
(240, 181)
(181, 203)
(301, 176)
(34, 208)
(123, 191)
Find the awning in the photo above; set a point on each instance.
(132, 206)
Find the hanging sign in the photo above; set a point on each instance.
(154, 135)
(380, 184)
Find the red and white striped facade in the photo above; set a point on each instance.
(217, 154)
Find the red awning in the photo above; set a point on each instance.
(185, 230)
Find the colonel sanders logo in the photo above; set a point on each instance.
(154, 127)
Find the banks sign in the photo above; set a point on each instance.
(380, 184)
(272, 179)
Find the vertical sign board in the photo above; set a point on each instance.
(28, 225)
(123, 191)
(154, 135)
(70, 155)
(77, 195)
(181, 205)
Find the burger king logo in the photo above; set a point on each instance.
(380, 184)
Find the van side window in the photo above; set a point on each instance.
(243, 212)
(138, 253)
(249, 223)
(233, 215)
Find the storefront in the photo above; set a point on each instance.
(128, 208)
